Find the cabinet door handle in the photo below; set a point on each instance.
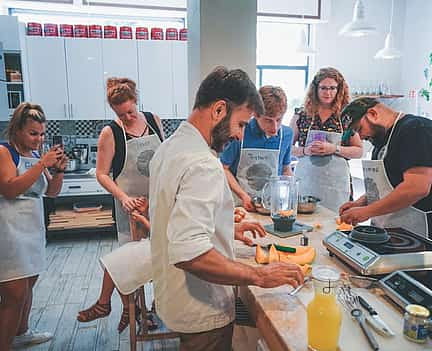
(71, 115)
(64, 110)
(74, 187)
(176, 114)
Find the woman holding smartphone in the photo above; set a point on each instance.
(24, 179)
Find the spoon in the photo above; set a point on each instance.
(296, 290)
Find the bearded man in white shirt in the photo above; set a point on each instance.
(191, 216)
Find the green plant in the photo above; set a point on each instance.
(427, 92)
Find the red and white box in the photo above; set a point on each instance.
(183, 34)
(50, 30)
(110, 32)
(157, 34)
(80, 31)
(95, 31)
(125, 32)
(34, 29)
(171, 34)
(66, 30)
(141, 33)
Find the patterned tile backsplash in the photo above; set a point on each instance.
(88, 129)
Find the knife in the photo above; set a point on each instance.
(375, 320)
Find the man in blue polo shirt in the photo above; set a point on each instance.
(264, 152)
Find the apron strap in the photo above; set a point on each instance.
(151, 122)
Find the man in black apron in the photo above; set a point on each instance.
(398, 179)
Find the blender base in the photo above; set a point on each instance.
(297, 229)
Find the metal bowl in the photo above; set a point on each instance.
(307, 204)
(257, 202)
(73, 165)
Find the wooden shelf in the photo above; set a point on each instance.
(393, 96)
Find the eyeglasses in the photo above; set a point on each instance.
(330, 88)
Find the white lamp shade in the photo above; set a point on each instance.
(303, 47)
(388, 51)
(358, 27)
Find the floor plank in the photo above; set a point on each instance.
(72, 282)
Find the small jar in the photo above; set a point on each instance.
(415, 326)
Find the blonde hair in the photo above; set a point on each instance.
(275, 100)
(120, 90)
(25, 111)
(342, 97)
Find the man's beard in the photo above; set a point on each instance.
(221, 133)
(379, 135)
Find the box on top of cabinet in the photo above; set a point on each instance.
(9, 33)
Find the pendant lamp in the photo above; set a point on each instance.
(389, 51)
(303, 46)
(358, 27)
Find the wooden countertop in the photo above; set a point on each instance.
(281, 319)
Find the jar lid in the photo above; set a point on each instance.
(417, 310)
(325, 273)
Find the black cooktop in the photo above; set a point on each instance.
(401, 241)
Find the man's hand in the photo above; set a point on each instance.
(279, 273)
(247, 203)
(128, 203)
(245, 226)
(346, 206)
(355, 215)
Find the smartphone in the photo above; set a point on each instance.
(57, 140)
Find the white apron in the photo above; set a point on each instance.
(378, 186)
(325, 177)
(256, 167)
(22, 241)
(134, 177)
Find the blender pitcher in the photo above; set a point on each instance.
(280, 195)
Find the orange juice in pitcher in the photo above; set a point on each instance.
(324, 314)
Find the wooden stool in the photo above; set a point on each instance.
(138, 298)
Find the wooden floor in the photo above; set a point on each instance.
(72, 281)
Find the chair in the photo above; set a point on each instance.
(142, 333)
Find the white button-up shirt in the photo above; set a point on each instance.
(191, 212)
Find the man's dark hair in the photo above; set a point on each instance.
(233, 86)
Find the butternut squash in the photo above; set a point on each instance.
(301, 258)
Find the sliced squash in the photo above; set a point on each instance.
(301, 258)
(261, 256)
(306, 269)
(344, 226)
(273, 255)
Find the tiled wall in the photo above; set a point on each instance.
(89, 129)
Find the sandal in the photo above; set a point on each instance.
(98, 310)
(124, 320)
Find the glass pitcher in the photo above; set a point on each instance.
(324, 314)
(280, 196)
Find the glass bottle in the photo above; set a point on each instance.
(324, 314)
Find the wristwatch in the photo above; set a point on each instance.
(338, 150)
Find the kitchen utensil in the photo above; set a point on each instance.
(280, 195)
(362, 281)
(73, 165)
(297, 289)
(369, 234)
(278, 247)
(307, 204)
(350, 301)
(374, 320)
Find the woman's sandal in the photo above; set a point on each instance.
(98, 310)
(124, 320)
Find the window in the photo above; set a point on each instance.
(279, 64)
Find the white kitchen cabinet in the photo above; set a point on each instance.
(47, 83)
(85, 78)
(156, 78)
(9, 33)
(180, 79)
(119, 60)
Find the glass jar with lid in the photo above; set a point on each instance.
(324, 314)
(415, 326)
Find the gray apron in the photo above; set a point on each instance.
(378, 186)
(256, 167)
(134, 177)
(326, 177)
(22, 243)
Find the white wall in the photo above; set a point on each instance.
(354, 57)
(416, 49)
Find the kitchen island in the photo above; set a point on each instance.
(281, 319)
